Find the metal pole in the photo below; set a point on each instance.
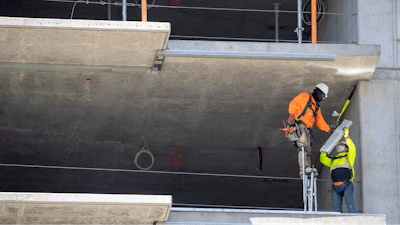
(304, 180)
(311, 193)
(314, 21)
(276, 4)
(299, 29)
(109, 10)
(144, 10)
(315, 195)
(124, 10)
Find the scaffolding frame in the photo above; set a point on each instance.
(299, 30)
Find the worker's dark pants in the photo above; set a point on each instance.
(304, 141)
(348, 198)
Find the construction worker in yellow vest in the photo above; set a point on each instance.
(342, 173)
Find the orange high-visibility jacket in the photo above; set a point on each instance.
(296, 107)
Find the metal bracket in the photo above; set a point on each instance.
(158, 63)
(299, 31)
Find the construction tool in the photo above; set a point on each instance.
(345, 107)
(292, 131)
(335, 137)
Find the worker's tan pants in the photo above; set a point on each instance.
(304, 141)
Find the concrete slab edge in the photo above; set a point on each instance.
(248, 55)
(216, 210)
(232, 46)
(85, 24)
(86, 198)
(81, 68)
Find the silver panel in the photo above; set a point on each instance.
(335, 137)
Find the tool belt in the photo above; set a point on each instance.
(295, 135)
(334, 188)
(308, 130)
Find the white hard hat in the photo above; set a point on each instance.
(324, 88)
(341, 143)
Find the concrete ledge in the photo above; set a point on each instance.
(231, 46)
(81, 42)
(238, 216)
(84, 24)
(51, 208)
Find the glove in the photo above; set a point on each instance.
(291, 118)
(334, 126)
(291, 129)
(346, 132)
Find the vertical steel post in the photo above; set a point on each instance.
(311, 193)
(299, 29)
(276, 21)
(304, 180)
(109, 9)
(315, 195)
(124, 17)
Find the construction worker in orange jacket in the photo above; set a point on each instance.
(305, 110)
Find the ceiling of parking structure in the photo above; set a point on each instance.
(218, 110)
(186, 22)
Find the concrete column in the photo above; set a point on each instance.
(380, 146)
(378, 23)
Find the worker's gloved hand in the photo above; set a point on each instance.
(334, 126)
(291, 118)
(331, 130)
(346, 132)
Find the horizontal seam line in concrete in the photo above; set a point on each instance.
(149, 171)
(26, 201)
(216, 210)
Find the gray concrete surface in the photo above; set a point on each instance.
(225, 46)
(51, 208)
(379, 139)
(339, 28)
(81, 42)
(379, 24)
(231, 216)
(213, 108)
(218, 111)
(324, 200)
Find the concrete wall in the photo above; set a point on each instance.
(379, 24)
(380, 145)
(379, 110)
(339, 28)
(374, 109)
(324, 200)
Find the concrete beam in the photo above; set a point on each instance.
(51, 208)
(81, 42)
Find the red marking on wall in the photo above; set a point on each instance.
(176, 153)
(175, 2)
(88, 79)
